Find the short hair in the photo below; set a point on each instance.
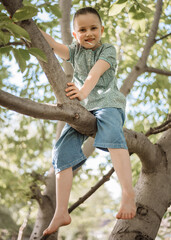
(86, 10)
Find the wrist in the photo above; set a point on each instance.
(83, 93)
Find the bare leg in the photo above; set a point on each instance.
(63, 189)
(121, 162)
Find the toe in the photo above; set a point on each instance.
(45, 232)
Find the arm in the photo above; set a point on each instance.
(95, 73)
(60, 49)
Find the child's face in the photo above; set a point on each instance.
(88, 30)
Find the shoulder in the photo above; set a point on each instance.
(74, 51)
(74, 46)
(108, 47)
(107, 52)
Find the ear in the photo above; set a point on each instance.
(75, 35)
(102, 29)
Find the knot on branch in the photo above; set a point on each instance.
(141, 210)
(141, 236)
(60, 105)
(77, 116)
(137, 68)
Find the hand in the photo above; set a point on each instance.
(74, 92)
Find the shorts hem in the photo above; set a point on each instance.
(72, 164)
(110, 145)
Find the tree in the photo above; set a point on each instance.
(155, 157)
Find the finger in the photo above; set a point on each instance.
(71, 84)
(71, 93)
(70, 88)
(74, 96)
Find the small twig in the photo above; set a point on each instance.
(163, 127)
(165, 36)
(157, 70)
(104, 179)
(23, 226)
(12, 43)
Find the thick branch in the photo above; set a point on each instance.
(36, 193)
(69, 112)
(158, 71)
(139, 68)
(153, 31)
(65, 23)
(138, 143)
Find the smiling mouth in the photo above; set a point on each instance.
(89, 41)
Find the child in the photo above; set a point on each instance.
(94, 84)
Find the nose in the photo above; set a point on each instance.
(88, 33)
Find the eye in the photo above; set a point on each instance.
(82, 30)
(93, 28)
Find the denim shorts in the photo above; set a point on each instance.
(67, 151)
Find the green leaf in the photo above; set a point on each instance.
(117, 7)
(24, 53)
(137, 19)
(2, 7)
(17, 31)
(38, 53)
(24, 13)
(55, 10)
(144, 8)
(20, 60)
(75, 2)
(4, 50)
(4, 37)
(4, 18)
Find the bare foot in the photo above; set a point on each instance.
(58, 220)
(128, 207)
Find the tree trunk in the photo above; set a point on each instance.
(153, 194)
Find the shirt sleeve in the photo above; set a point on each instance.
(72, 49)
(108, 54)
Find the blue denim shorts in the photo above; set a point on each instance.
(67, 151)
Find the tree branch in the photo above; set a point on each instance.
(69, 112)
(139, 68)
(158, 71)
(65, 23)
(165, 36)
(104, 179)
(161, 128)
(12, 43)
(138, 143)
(36, 193)
(153, 31)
